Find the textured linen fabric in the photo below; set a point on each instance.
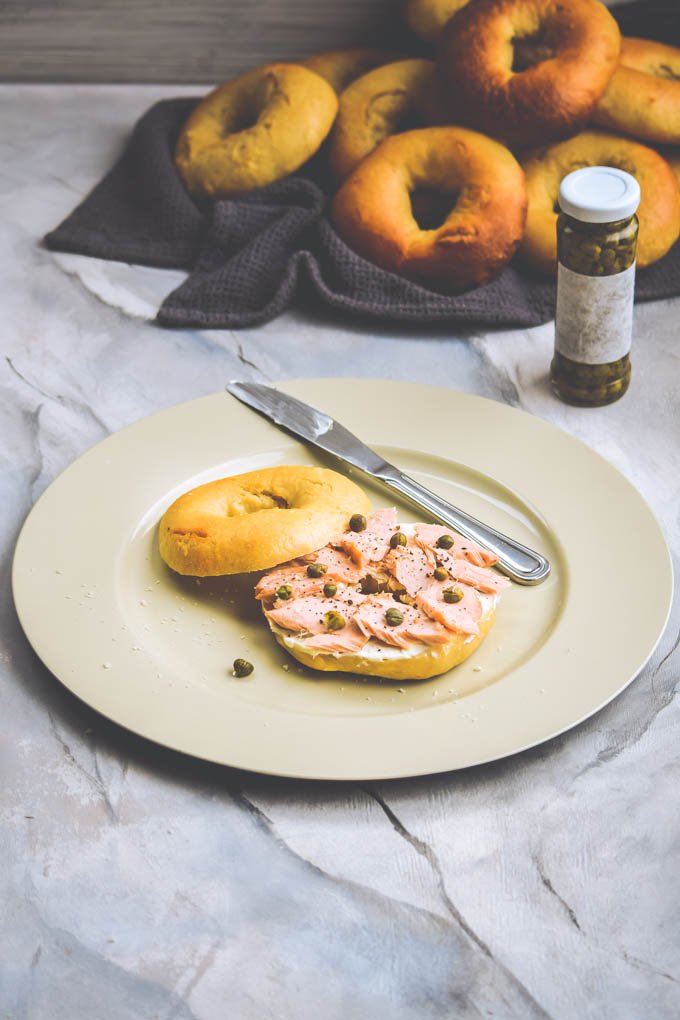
(250, 257)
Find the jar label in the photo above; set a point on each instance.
(594, 315)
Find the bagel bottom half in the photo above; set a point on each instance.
(394, 663)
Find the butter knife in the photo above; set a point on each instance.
(521, 564)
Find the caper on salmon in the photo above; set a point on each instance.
(370, 585)
(397, 539)
(241, 667)
(316, 569)
(445, 541)
(452, 595)
(440, 574)
(334, 620)
(357, 522)
(284, 592)
(393, 617)
(330, 589)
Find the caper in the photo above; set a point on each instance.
(284, 592)
(242, 667)
(445, 541)
(316, 569)
(357, 522)
(441, 574)
(398, 538)
(393, 617)
(452, 595)
(330, 588)
(333, 620)
(370, 585)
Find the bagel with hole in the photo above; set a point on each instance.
(480, 184)
(387, 100)
(401, 602)
(254, 130)
(255, 520)
(527, 71)
(643, 97)
(426, 18)
(658, 213)
(340, 67)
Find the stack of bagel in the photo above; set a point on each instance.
(445, 167)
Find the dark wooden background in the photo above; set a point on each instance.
(183, 40)
(176, 40)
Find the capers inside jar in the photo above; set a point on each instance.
(596, 249)
(596, 245)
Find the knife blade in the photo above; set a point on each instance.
(521, 564)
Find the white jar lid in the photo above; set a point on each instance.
(599, 194)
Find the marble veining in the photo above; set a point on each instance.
(136, 883)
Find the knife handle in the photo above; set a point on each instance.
(521, 564)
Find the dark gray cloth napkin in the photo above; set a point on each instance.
(248, 258)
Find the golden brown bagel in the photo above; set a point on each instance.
(427, 17)
(257, 520)
(340, 67)
(431, 661)
(372, 211)
(383, 102)
(254, 130)
(673, 158)
(527, 71)
(659, 211)
(643, 97)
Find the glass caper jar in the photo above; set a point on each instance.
(596, 242)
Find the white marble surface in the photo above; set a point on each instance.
(138, 884)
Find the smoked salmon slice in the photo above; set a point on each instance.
(306, 615)
(411, 565)
(427, 535)
(341, 567)
(372, 544)
(463, 616)
(349, 639)
(479, 577)
(416, 626)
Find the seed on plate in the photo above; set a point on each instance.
(242, 667)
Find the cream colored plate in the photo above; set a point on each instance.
(153, 651)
